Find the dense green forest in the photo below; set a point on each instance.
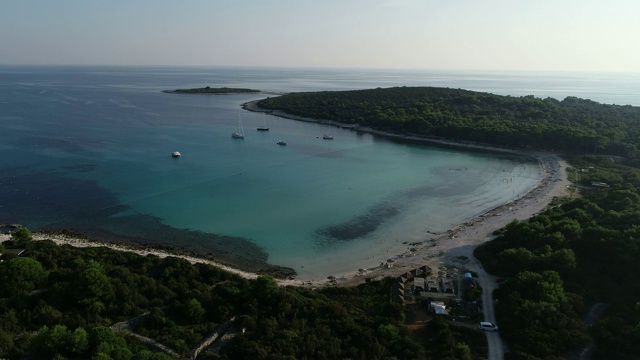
(65, 302)
(571, 125)
(557, 265)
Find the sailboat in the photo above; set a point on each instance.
(328, 136)
(264, 126)
(240, 133)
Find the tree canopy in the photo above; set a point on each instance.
(571, 125)
(583, 251)
(71, 300)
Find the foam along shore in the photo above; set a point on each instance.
(441, 249)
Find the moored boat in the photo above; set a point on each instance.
(264, 126)
(329, 135)
(240, 133)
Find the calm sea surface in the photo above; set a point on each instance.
(89, 148)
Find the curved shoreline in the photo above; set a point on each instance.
(469, 146)
(78, 242)
(447, 248)
(455, 246)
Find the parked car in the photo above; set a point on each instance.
(488, 326)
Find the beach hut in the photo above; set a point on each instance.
(424, 269)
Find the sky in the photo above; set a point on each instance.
(541, 35)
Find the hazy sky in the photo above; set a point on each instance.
(580, 35)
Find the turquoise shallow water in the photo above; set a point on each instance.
(89, 148)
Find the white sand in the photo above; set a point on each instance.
(455, 248)
(76, 242)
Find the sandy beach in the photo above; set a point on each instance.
(455, 247)
(452, 248)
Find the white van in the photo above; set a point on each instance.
(487, 326)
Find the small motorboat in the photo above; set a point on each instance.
(281, 142)
(176, 154)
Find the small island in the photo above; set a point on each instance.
(212, 90)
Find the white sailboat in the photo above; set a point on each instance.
(240, 133)
(264, 126)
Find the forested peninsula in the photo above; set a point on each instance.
(572, 125)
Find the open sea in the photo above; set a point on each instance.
(89, 148)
